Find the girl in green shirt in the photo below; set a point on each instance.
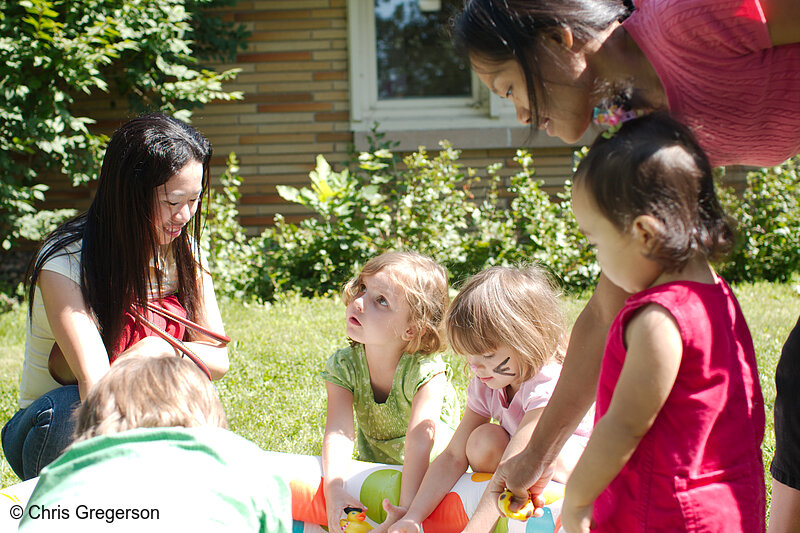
(400, 391)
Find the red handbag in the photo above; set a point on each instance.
(166, 320)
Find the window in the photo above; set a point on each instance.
(413, 56)
(405, 75)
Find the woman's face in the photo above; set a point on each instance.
(566, 109)
(177, 200)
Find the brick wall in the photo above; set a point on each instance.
(294, 77)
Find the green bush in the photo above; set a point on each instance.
(231, 256)
(768, 216)
(548, 233)
(428, 205)
(359, 214)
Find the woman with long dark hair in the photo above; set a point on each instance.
(93, 278)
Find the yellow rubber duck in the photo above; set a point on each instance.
(354, 522)
(504, 500)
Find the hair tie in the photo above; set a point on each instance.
(613, 114)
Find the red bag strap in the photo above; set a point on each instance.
(188, 323)
(175, 343)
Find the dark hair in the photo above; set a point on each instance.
(118, 233)
(654, 166)
(497, 31)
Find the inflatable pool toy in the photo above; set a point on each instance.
(370, 483)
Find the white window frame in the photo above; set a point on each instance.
(483, 110)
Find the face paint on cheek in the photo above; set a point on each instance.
(502, 369)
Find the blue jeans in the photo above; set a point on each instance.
(36, 435)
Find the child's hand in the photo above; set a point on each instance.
(405, 526)
(576, 519)
(393, 512)
(337, 499)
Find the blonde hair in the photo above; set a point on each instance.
(518, 307)
(424, 283)
(149, 392)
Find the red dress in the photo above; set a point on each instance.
(699, 466)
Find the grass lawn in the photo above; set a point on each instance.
(274, 397)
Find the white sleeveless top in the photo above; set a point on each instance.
(36, 379)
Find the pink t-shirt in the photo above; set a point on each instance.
(532, 394)
(723, 79)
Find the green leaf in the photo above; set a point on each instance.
(290, 194)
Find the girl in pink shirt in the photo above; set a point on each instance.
(507, 323)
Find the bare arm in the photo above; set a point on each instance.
(74, 329)
(532, 468)
(213, 353)
(441, 476)
(783, 20)
(486, 514)
(426, 409)
(337, 452)
(653, 357)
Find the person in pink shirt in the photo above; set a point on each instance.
(729, 69)
(507, 323)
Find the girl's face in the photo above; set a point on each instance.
(621, 254)
(497, 369)
(566, 83)
(379, 313)
(177, 200)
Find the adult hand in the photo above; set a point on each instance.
(525, 477)
(337, 499)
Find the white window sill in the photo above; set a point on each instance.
(468, 137)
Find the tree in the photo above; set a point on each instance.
(52, 51)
